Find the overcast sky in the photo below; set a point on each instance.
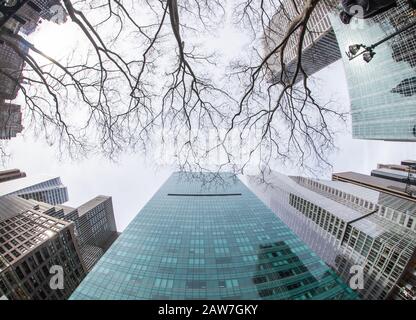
(133, 180)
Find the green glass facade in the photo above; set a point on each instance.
(197, 239)
(382, 92)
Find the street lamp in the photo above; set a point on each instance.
(368, 56)
(356, 50)
(368, 52)
(353, 49)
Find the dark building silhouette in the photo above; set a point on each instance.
(24, 18)
(11, 174)
(10, 120)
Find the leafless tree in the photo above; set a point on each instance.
(147, 77)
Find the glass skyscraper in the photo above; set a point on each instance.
(95, 228)
(208, 236)
(39, 188)
(350, 225)
(382, 92)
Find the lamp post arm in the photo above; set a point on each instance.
(410, 25)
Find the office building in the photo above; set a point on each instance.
(350, 225)
(11, 174)
(398, 190)
(401, 173)
(40, 188)
(393, 174)
(95, 227)
(320, 47)
(408, 162)
(382, 92)
(93, 230)
(11, 66)
(400, 167)
(206, 236)
(10, 120)
(27, 15)
(20, 17)
(31, 243)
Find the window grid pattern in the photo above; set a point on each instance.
(385, 256)
(11, 65)
(383, 247)
(382, 92)
(320, 47)
(30, 243)
(392, 210)
(10, 120)
(51, 191)
(95, 229)
(209, 247)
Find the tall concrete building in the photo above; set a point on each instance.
(11, 174)
(95, 227)
(206, 236)
(348, 225)
(40, 188)
(408, 162)
(404, 166)
(31, 243)
(382, 92)
(404, 173)
(320, 47)
(20, 16)
(88, 231)
(11, 66)
(394, 189)
(26, 14)
(10, 120)
(393, 174)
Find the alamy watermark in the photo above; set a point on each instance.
(58, 14)
(57, 279)
(357, 11)
(357, 278)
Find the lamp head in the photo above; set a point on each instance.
(353, 49)
(368, 56)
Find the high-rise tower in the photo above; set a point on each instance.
(350, 225)
(320, 46)
(33, 246)
(11, 174)
(41, 188)
(205, 236)
(383, 91)
(95, 226)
